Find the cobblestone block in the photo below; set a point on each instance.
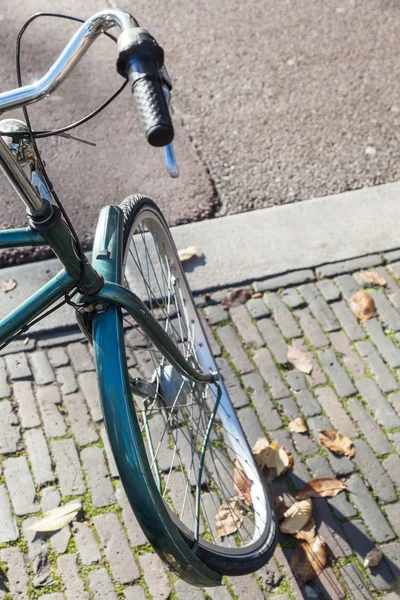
(8, 525)
(296, 380)
(330, 530)
(350, 357)
(335, 411)
(39, 456)
(88, 384)
(336, 373)
(27, 409)
(98, 477)
(274, 340)
(237, 394)
(391, 286)
(20, 485)
(369, 427)
(380, 576)
(317, 376)
(60, 339)
(373, 472)
(134, 531)
(370, 511)
(386, 310)
(386, 347)
(329, 290)
(284, 564)
(218, 593)
(109, 455)
(319, 307)
(247, 330)
(79, 419)
(215, 314)
(269, 575)
(348, 321)
(262, 401)
(5, 390)
(347, 285)
(298, 473)
(214, 345)
(393, 514)
(67, 380)
(392, 256)
(38, 555)
(283, 316)
(312, 329)
(304, 444)
(10, 436)
(379, 370)
(230, 340)
(123, 566)
(58, 357)
(185, 591)
(80, 357)
(68, 568)
(270, 373)
(289, 407)
(134, 593)
(392, 554)
(86, 544)
(51, 498)
(282, 281)
(18, 580)
(340, 464)
(292, 298)
(355, 582)
(41, 368)
(307, 403)
(155, 576)
(68, 467)
(392, 466)
(395, 402)
(19, 345)
(381, 408)
(55, 596)
(59, 540)
(48, 399)
(257, 308)
(251, 425)
(101, 585)
(346, 266)
(395, 438)
(246, 587)
(328, 585)
(17, 366)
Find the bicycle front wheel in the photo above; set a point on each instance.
(234, 532)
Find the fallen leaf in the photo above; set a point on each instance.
(373, 558)
(373, 278)
(297, 516)
(242, 484)
(228, 518)
(299, 359)
(257, 295)
(57, 518)
(307, 532)
(337, 442)
(6, 285)
(279, 506)
(236, 297)
(309, 560)
(298, 425)
(321, 488)
(187, 254)
(362, 305)
(271, 458)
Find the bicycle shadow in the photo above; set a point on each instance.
(195, 262)
(343, 538)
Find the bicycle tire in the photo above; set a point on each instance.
(230, 556)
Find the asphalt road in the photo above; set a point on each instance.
(274, 102)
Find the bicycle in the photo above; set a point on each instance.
(172, 428)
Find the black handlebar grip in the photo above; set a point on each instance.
(153, 110)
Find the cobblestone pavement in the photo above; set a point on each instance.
(54, 447)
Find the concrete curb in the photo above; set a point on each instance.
(261, 245)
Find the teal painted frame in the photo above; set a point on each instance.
(106, 333)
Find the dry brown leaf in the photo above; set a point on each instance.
(337, 442)
(260, 451)
(279, 506)
(6, 285)
(271, 458)
(373, 278)
(321, 488)
(298, 425)
(257, 295)
(308, 531)
(236, 297)
(242, 484)
(299, 359)
(362, 305)
(297, 516)
(228, 518)
(373, 558)
(309, 560)
(57, 518)
(187, 254)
